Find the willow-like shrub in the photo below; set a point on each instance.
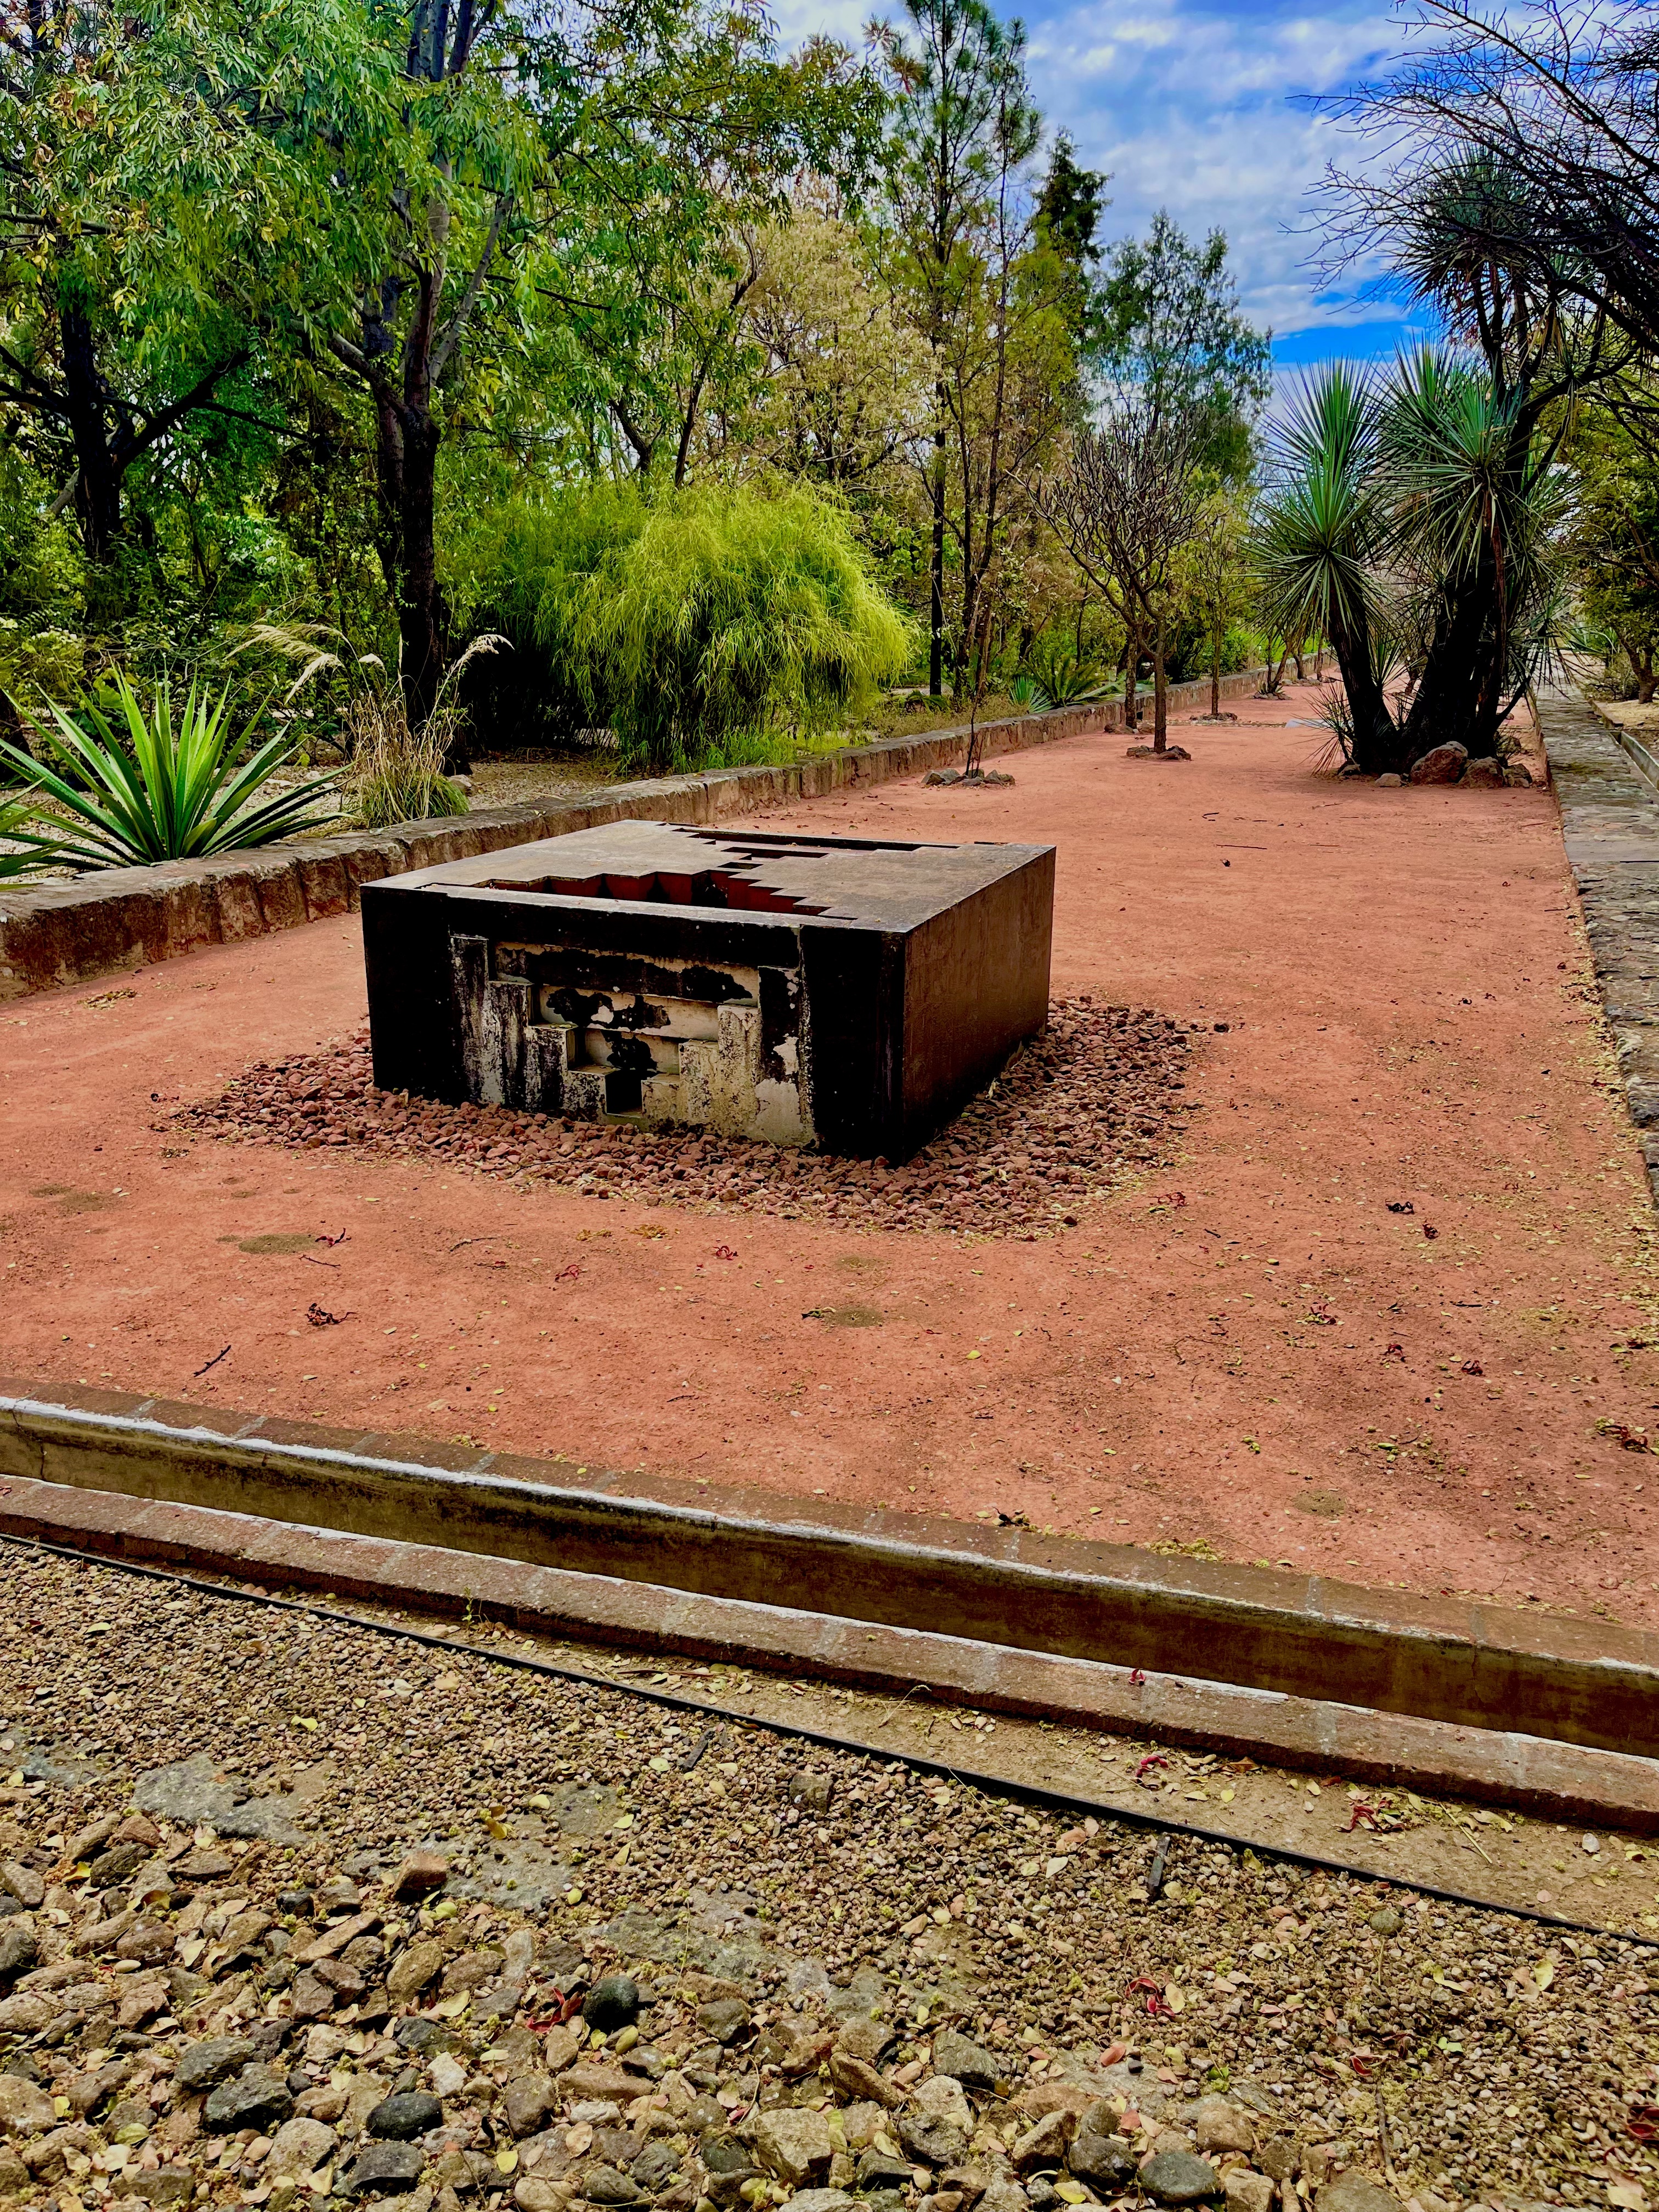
(700, 627)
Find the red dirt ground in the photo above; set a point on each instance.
(1281, 1367)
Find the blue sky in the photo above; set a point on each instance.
(1193, 107)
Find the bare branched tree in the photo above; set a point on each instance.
(1522, 139)
(1123, 507)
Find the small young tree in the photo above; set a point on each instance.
(1215, 577)
(1125, 507)
(989, 282)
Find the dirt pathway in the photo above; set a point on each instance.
(1389, 1319)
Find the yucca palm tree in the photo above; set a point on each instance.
(1322, 532)
(1477, 512)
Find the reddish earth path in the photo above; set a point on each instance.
(1282, 1368)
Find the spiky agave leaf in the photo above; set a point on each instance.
(1322, 524)
(22, 849)
(1447, 464)
(1060, 678)
(1464, 491)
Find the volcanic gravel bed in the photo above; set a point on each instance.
(1097, 1098)
(293, 1909)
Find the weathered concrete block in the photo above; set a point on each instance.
(780, 987)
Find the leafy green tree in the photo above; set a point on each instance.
(128, 216)
(961, 121)
(1168, 327)
(842, 388)
(423, 179)
(653, 263)
(986, 289)
(1214, 577)
(1069, 210)
(1616, 541)
(420, 138)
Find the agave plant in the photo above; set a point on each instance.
(1054, 675)
(137, 788)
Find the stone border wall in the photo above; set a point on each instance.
(1610, 826)
(67, 932)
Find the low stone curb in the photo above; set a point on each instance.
(67, 932)
(1610, 826)
(1555, 1781)
(1251, 1655)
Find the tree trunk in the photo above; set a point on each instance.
(1215, 675)
(388, 489)
(1131, 680)
(936, 565)
(1160, 692)
(1459, 695)
(405, 470)
(421, 615)
(1446, 708)
(98, 483)
(1379, 749)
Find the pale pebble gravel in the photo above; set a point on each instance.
(767, 1896)
(1098, 1096)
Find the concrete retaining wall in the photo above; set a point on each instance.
(67, 932)
(1455, 1663)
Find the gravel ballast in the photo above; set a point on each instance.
(1095, 1098)
(372, 1881)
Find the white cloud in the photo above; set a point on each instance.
(1210, 119)
(1206, 114)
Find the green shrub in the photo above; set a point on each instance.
(50, 660)
(698, 626)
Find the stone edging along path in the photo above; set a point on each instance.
(1610, 825)
(1559, 1711)
(66, 933)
